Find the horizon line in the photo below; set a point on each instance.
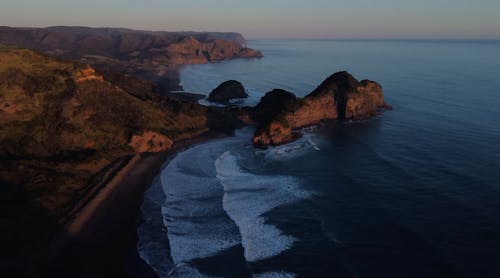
(376, 38)
(278, 37)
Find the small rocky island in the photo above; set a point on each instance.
(227, 91)
(340, 97)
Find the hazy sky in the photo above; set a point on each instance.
(271, 18)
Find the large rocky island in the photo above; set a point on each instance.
(339, 97)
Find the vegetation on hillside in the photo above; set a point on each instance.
(63, 126)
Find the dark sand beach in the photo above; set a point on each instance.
(101, 241)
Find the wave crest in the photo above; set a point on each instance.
(247, 197)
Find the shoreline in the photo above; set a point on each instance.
(101, 239)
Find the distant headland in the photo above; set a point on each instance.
(151, 55)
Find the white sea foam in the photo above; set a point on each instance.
(152, 241)
(197, 225)
(185, 271)
(274, 275)
(209, 204)
(289, 151)
(311, 142)
(247, 197)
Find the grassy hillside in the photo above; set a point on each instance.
(63, 126)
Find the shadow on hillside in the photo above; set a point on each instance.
(36, 244)
(25, 231)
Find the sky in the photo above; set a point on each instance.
(445, 19)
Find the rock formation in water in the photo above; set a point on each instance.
(339, 97)
(273, 103)
(226, 91)
(149, 55)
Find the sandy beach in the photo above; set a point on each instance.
(101, 240)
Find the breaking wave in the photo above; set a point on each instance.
(247, 197)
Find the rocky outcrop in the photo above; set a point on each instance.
(150, 142)
(276, 132)
(352, 99)
(87, 73)
(339, 97)
(273, 103)
(227, 90)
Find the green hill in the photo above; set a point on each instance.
(64, 126)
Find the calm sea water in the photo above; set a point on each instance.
(412, 193)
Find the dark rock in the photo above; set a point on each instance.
(227, 90)
(273, 103)
(276, 132)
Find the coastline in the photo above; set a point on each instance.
(356, 177)
(101, 240)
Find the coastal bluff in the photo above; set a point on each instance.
(339, 97)
(151, 55)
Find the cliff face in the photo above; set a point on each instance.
(351, 98)
(192, 51)
(339, 97)
(151, 55)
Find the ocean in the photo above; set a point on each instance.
(414, 192)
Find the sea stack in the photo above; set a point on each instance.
(227, 91)
(339, 97)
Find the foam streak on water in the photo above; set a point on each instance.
(274, 275)
(247, 197)
(197, 225)
(210, 205)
